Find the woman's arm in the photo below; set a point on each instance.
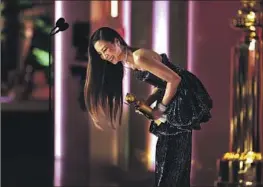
(153, 97)
(151, 61)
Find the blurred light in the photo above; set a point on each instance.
(57, 172)
(252, 45)
(252, 28)
(114, 8)
(160, 45)
(58, 83)
(58, 95)
(126, 23)
(251, 15)
(41, 56)
(28, 32)
(161, 26)
(127, 37)
(248, 183)
(127, 20)
(191, 54)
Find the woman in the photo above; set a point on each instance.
(179, 94)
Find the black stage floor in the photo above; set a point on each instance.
(37, 172)
(27, 149)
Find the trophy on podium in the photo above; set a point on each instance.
(243, 164)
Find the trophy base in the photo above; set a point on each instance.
(226, 184)
(240, 173)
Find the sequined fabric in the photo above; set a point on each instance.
(189, 108)
(173, 160)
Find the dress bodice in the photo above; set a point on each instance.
(152, 79)
(189, 107)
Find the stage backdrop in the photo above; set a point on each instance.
(213, 38)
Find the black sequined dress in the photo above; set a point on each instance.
(189, 108)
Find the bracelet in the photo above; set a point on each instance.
(162, 107)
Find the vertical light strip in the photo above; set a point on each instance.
(160, 31)
(57, 173)
(58, 83)
(161, 26)
(58, 87)
(126, 23)
(114, 8)
(190, 37)
(191, 55)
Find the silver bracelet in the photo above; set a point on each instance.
(162, 107)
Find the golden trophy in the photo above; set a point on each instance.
(243, 164)
(143, 108)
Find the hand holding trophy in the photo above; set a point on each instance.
(142, 108)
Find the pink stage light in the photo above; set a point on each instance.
(160, 45)
(59, 98)
(58, 83)
(161, 26)
(126, 22)
(191, 55)
(114, 8)
(190, 36)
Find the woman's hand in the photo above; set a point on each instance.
(138, 112)
(157, 113)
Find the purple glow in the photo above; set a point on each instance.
(57, 172)
(58, 96)
(160, 45)
(126, 23)
(191, 56)
(161, 26)
(127, 20)
(126, 13)
(6, 99)
(58, 83)
(190, 37)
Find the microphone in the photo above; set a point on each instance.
(61, 24)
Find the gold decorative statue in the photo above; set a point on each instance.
(243, 164)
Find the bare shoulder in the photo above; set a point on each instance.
(145, 53)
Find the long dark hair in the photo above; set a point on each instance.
(103, 87)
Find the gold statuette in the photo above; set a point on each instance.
(142, 107)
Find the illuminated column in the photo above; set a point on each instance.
(114, 8)
(190, 61)
(138, 124)
(123, 132)
(59, 97)
(58, 84)
(190, 48)
(160, 36)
